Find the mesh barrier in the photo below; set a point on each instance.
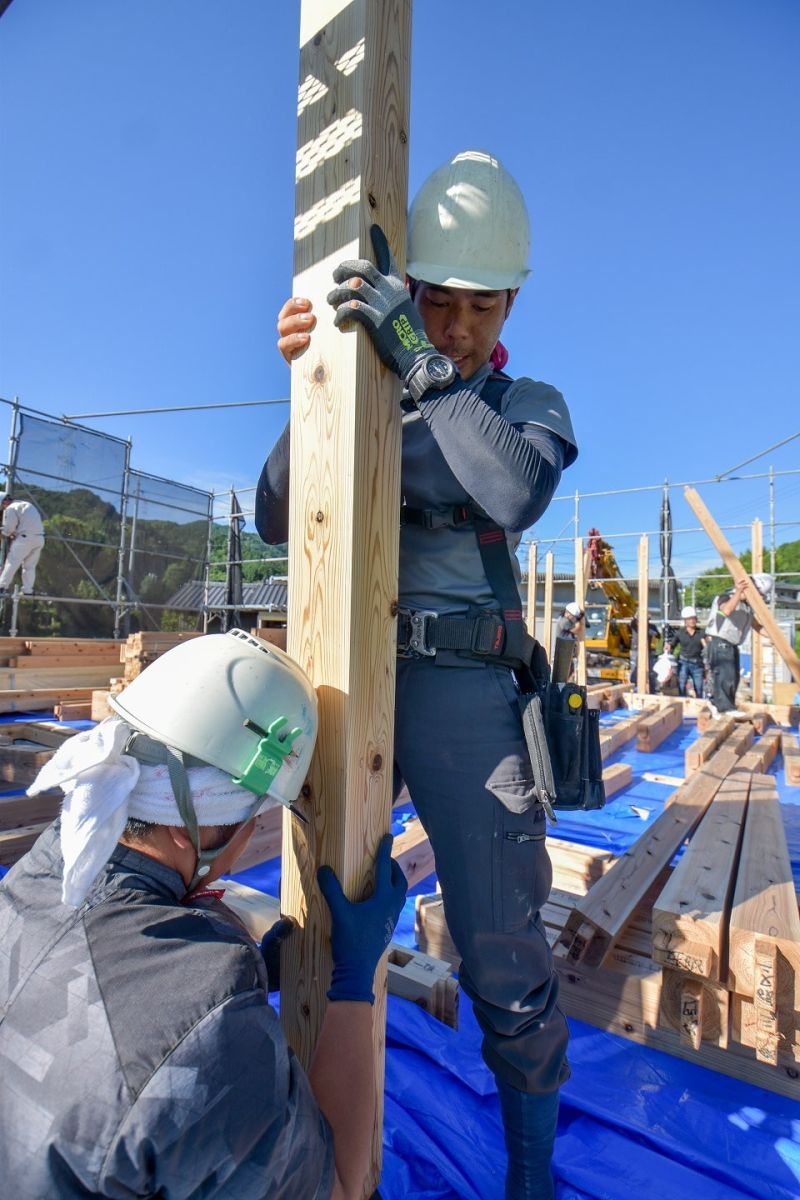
(114, 554)
(168, 527)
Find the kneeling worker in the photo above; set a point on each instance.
(139, 1055)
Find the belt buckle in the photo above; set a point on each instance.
(418, 637)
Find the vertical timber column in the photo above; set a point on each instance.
(580, 598)
(547, 615)
(643, 618)
(531, 607)
(351, 171)
(757, 646)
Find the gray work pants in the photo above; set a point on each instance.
(460, 749)
(723, 661)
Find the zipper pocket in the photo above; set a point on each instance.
(519, 838)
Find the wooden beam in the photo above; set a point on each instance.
(531, 607)
(764, 904)
(643, 622)
(616, 735)
(656, 728)
(547, 617)
(690, 917)
(704, 746)
(790, 750)
(580, 600)
(616, 778)
(609, 904)
(757, 660)
(754, 597)
(352, 170)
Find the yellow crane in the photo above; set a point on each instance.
(608, 620)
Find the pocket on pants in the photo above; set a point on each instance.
(521, 870)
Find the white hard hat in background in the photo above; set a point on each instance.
(764, 585)
(574, 609)
(468, 226)
(688, 611)
(233, 701)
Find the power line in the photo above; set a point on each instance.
(138, 412)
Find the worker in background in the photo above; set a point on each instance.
(474, 442)
(729, 623)
(692, 642)
(23, 532)
(652, 642)
(572, 624)
(139, 1055)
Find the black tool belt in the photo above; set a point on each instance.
(423, 632)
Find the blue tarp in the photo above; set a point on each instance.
(634, 1122)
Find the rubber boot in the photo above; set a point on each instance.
(529, 1122)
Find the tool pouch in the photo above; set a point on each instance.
(563, 737)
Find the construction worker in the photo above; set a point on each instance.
(474, 442)
(139, 1055)
(692, 642)
(572, 622)
(729, 623)
(23, 530)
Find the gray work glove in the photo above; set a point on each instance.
(383, 306)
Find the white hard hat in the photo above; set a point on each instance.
(574, 609)
(688, 611)
(234, 702)
(468, 226)
(764, 585)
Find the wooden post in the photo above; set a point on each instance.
(643, 640)
(531, 611)
(351, 170)
(754, 597)
(757, 668)
(580, 599)
(547, 616)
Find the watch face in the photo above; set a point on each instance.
(440, 369)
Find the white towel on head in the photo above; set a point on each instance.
(104, 787)
(96, 778)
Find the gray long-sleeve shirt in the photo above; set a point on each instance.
(457, 450)
(139, 1055)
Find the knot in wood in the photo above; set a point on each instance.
(319, 516)
(394, 608)
(373, 203)
(377, 762)
(403, 136)
(305, 1010)
(319, 373)
(305, 791)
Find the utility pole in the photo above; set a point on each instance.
(351, 171)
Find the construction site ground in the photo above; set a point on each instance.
(634, 1120)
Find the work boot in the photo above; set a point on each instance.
(529, 1122)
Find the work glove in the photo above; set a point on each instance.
(361, 932)
(271, 950)
(383, 306)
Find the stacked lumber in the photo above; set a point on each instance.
(38, 673)
(141, 649)
(621, 732)
(25, 747)
(657, 727)
(100, 708)
(707, 742)
(703, 960)
(790, 750)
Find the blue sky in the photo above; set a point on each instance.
(147, 156)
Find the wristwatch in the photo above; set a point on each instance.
(432, 372)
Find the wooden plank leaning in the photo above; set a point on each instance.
(754, 597)
(764, 948)
(597, 920)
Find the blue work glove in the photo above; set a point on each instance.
(361, 932)
(271, 950)
(383, 306)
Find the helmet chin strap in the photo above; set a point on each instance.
(148, 750)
